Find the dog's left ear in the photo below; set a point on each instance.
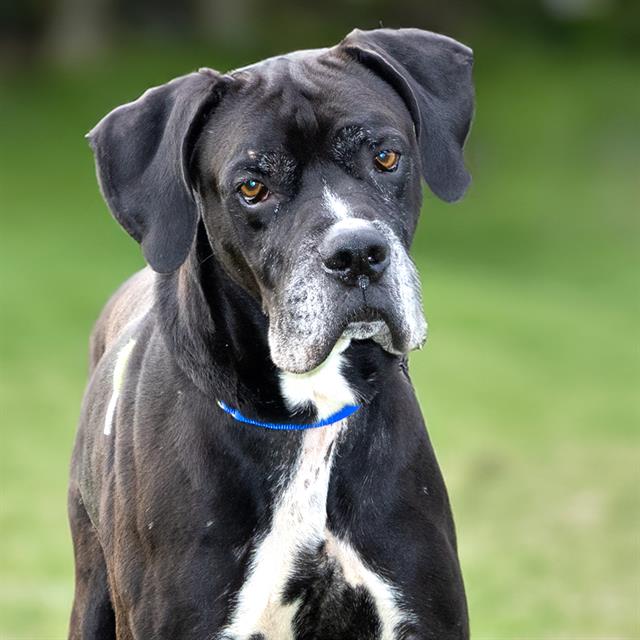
(432, 73)
(143, 150)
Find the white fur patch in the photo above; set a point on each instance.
(351, 223)
(324, 386)
(119, 370)
(300, 519)
(298, 523)
(336, 205)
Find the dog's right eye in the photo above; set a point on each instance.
(253, 191)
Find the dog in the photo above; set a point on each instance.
(251, 462)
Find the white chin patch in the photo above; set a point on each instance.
(324, 387)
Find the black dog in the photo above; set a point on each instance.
(251, 461)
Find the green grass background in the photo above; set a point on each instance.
(529, 379)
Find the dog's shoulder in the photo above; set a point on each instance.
(131, 302)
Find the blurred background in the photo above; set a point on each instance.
(529, 380)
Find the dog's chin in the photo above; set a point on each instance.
(293, 357)
(376, 330)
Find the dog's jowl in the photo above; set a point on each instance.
(251, 462)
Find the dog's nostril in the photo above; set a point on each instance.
(376, 254)
(341, 260)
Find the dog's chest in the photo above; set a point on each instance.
(303, 577)
(303, 581)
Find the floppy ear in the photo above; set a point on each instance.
(432, 73)
(142, 152)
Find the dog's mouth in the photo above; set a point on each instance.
(372, 325)
(367, 330)
(387, 329)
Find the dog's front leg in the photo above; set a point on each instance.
(92, 616)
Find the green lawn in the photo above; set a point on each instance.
(529, 380)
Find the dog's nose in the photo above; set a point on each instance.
(351, 253)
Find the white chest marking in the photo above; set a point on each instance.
(119, 370)
(300, 517)
(298, 523)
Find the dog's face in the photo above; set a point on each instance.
(313, 203)
(305, 170)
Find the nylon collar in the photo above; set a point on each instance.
(345, 412)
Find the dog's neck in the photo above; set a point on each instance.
(217, 332)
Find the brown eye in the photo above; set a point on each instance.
(386, 160)
(253, 191)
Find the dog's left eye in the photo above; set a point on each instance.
(253, 191)
(386, 160)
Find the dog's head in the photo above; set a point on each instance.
(305, 171)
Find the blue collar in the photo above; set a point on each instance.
(343, 413)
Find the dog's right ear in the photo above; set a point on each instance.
(142, 152)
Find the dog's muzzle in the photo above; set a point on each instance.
(356, 282)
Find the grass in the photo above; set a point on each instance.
(529, 380)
